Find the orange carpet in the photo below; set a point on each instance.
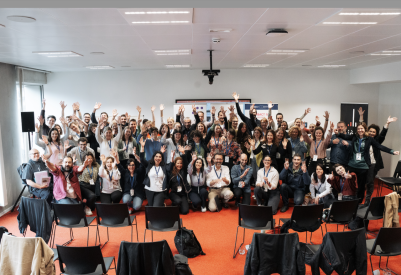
(215, 232)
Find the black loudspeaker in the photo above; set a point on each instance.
(28, 121)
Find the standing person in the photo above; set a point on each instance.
(81, 151)
(36, 164)
(103, 116)
(215, 144)
(51, 120)
(298, 145)
(360, 159)
(246, 120)
(111, 189)
(269, 148)
(231, 150)
(126, 146)
(218, 183)
(151, 144)
(241, 175)
(89, 183)
(343, 183)
(319, 188)
(233, 121)
(295, 180)
(107, 142)
(284, 149)
(340, 148)
(255, 159)
(243, 136)
(197, 174)
(318, 146)
(280, 118)
(199, 144)
(267, 183)
(93, 144)
(173, 144)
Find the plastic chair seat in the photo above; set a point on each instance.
(267, 227)
(362, 212)
(55, 257)
(123, 224)
(107, 262)
(284, 220)
(369, 245)
(80, 224)
(313, 247)
(391, 180)
(174, 228)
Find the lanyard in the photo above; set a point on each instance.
(78, 135)
(295, 144)
(109, 142)
(58, 147)
(264, 172)
(216, 172)
(126, 146)
(157, 171)
(80, 152)
(318, 190)
(178, 180)
(228, 147)
(280, 143)
(342, 182)
(270, 147)
(199, 178)
(198, 149)
(216, 143)
(359, 145)
(111, 176)
(90, 174)
(317, 146)
(132, 180)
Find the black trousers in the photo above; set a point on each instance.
(88, 193)
(114, 197)
(155, 198)
(361, 175)
(287, 192)
(181, 200)
(269, 198)
(198, 196)
(240, 193)
(44, 193)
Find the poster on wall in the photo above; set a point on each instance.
(262, 110)
(350, 115)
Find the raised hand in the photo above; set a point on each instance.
(44, 103)
(181, 149)
(301, 138)
(37, 127)
(194, 109)
(222, 110)
(391, 119)
(247, 145)
(134, 150)
(74, 117)
(347, 175)
(142, 141)
(331, 126)
(270, 120)
(235, 96)
(336, 131)
(144, 128)
(113, 153)
(209, 159)
(345, 143)
(317, 119)
(161, 107)
(63, 121)
(187, 147)
(194, 157)
(307, 111)
(163, 149)
(97, 105)
(118, 120)
(66, 145)
(114, 112)
(44, 158)
(153, 108)
(286, 165)
(252, 107)
(74, 158)
(231, 108)
(302, 126)
(74, 107)
(138, 158)
(213, 111)
(331, 176)
(44, 138)
(102, 158)
(396, 152)
(224, 133)
(360, 111)
(270, 104)
(326, 115)
(139, 109)
(41, 120)
(172, 154)
(251, 142)
(303, 167)
(62, 105)
(336, 141)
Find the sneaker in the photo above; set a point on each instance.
(130, 210)
(284, 208)
(88, 211)
(203, 209)
(225, 205)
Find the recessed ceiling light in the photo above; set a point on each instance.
(330, 66)
(276, 32)
(349, 23)
(256, 65)
(97, 52)
(370, 13)
(172, 52)
(220, 30)
(20, 18)
(160, 22)
(394, 52)
(104, 67)
(178, 66)
(125, 66)
(306, 65)
(285, 52)
(59, 54)
(157, 12)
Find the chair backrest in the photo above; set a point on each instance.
(388, 240)
(397, 172)
(162, 217)
(343, 211)
(80, 260)
(376, 207)
(306, 216)
(255, 216)
(345, 241)
(69, 214)
(112, 213)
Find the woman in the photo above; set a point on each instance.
(126, 146)
(360, 159)
(131, 181)
(231, 149)
(284, 126)
(344, 183)
(93, 142)
(319, 188)
(243, 136)
(155, 181)
(318, 146)
(164, 130)
(255, 159)
(111, 188)
(298, 146)
(108, 142)
(266, 190)
(202, 128)
(170, 123)
(58, 127)
(269, 148)
(173, 144)
(114, 128)
(89, 183)
(199, 144)
(216, 142)
(197, 175)
(284, 149)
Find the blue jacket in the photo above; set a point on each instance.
(339, 152)
(151, 146)
(236, 172)
(298, 180)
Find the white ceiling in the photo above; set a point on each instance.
(125, 44)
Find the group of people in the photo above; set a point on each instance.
(200, 163)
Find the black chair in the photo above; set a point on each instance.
(387, 244)
(342, 212)
(306, 216)
(71, 216)
(83, 260)
(255, 218)
(390, 182)
(374, 211)
(162, 219)
(114, 215)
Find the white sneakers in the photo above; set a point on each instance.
(88, 211)
(203, 209)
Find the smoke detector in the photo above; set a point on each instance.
(215, 40)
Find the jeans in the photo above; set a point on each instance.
(288, 191)
(114, 197)
(44, 193)
(155, 198)
(269, 198)
(181, 200)
(89, 195)
(361, 179)
(135, 201)
(240, 192)
(198, 195)
(67, 201)
(370, 182)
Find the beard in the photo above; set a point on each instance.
(66, 168)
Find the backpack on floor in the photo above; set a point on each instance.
(187, 244)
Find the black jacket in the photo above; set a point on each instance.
(368, 142)
(93, 144)
(267, 151)
(278, 253)
(152, 258)
(172, 180)
(125, 181)
(148, 166)
(248, 122)
(284, 154)
(376, 152)
(35, 213)
(203, 142)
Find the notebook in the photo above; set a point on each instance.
(42, 178)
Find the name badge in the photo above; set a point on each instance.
(179, 188)
(199, 157)
(60, 156)
(314, 157)
(293, 153)
(132, 192)
(278, 155)
(227, 159)
(358, 156)
(91, 182)
(98, 149)
(340, 196)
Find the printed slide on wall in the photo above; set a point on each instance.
(350, 115)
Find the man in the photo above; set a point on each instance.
(295, 180)
(218, 180)
(80, 151)
(87, 118)
(187, 126)
(241, 175)
(201, 116)
(35, 164)
(340, 148)
(66, 189)
(246, 120)
(152, 144)
(103, 114)
(51, 120)
(280, 117)
(134, 129)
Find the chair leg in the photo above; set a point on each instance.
(371, 265)
(101, 246)
(388, 269)
(243, 240)
(235, 244)
(136, 225)
(87, 240)
(19, 197)
(71, 238)
(144, 236)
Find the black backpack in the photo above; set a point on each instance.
(187, 244)
(21, 169)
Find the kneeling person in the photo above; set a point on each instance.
(241, 175)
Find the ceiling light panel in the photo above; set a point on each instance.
(256, 65)
(59, 54)
(394, 52)
(102, 67)
(178, 66)
(361, 17)
(172, 52)
(285, 52)
(330, 66)
(153, 16)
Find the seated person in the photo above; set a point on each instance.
(89, 181)
(111, 189)
(343, 183)
(241, 175)
(319, 188)
(151, 144)
(80, 151)
(218, 181)
(36, 164)
(295, 179)
(266, 187)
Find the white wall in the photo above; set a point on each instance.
(294, 90)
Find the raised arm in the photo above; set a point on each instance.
(36, 139)
(67, 129)
(361, 112)
(152, 109)
(239, 112)
(119, 133)
(63, 105)
(304, 134)
(307, 111)
(161, 113)
(98, 137)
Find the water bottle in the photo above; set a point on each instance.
(241, 250)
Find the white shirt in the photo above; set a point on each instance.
(156, 178)
(109, 186)
(223, 172)
(372, 156)
(319, 189)
(70, 193)
(107, 145)
(272, 177)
